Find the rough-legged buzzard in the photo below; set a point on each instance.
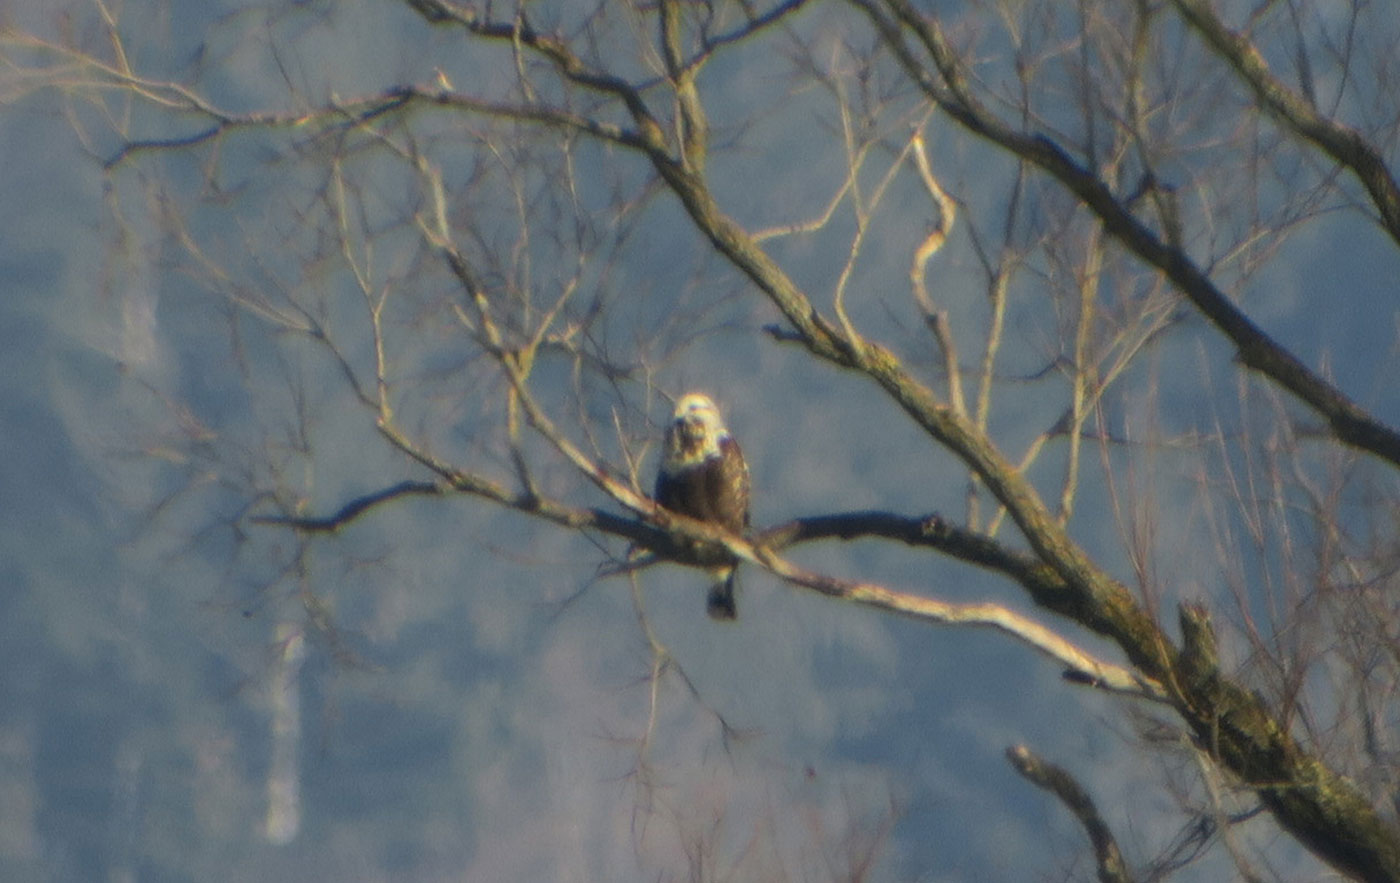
(703, 476)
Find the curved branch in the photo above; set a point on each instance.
(1060, 783)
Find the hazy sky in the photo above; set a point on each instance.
(481, 707)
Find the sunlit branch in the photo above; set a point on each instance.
(863, 208)
(1086, 668)
(1351, 423)
(374, 306)
(536, 113)
(1044, 585)
(997, 294)
(694, 131)
(1100, 603)
(669, 542)
(998, 281)
(1081, 666)
(1323, 809)
(547, 508)
(936, 319)
(820, 221)
(1083, 377)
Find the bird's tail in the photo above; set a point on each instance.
(720, 603)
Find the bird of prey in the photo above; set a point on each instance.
(703, 476)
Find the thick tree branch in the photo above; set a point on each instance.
(1351, 423)
(694, 128)
(929, 531)
(1095, 601)
(531, 503)
(1321, 808)
(1081, 666)
(673, 537)
(1045, 586)
(1324, 810)
(1341, 142)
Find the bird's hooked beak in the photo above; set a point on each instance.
(691, 427)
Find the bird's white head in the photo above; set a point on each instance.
(695, 431)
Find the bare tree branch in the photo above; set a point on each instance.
(1350, 422)
(353, 509)
(671, 542)
(1344, 144)
(1058, 781)
(650, 110)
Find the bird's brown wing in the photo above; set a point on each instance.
(729, 494)
(716, 491)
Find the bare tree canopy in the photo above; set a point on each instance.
(371, 317)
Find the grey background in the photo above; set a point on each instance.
(473, 725)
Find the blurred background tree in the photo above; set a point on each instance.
(371, 318)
